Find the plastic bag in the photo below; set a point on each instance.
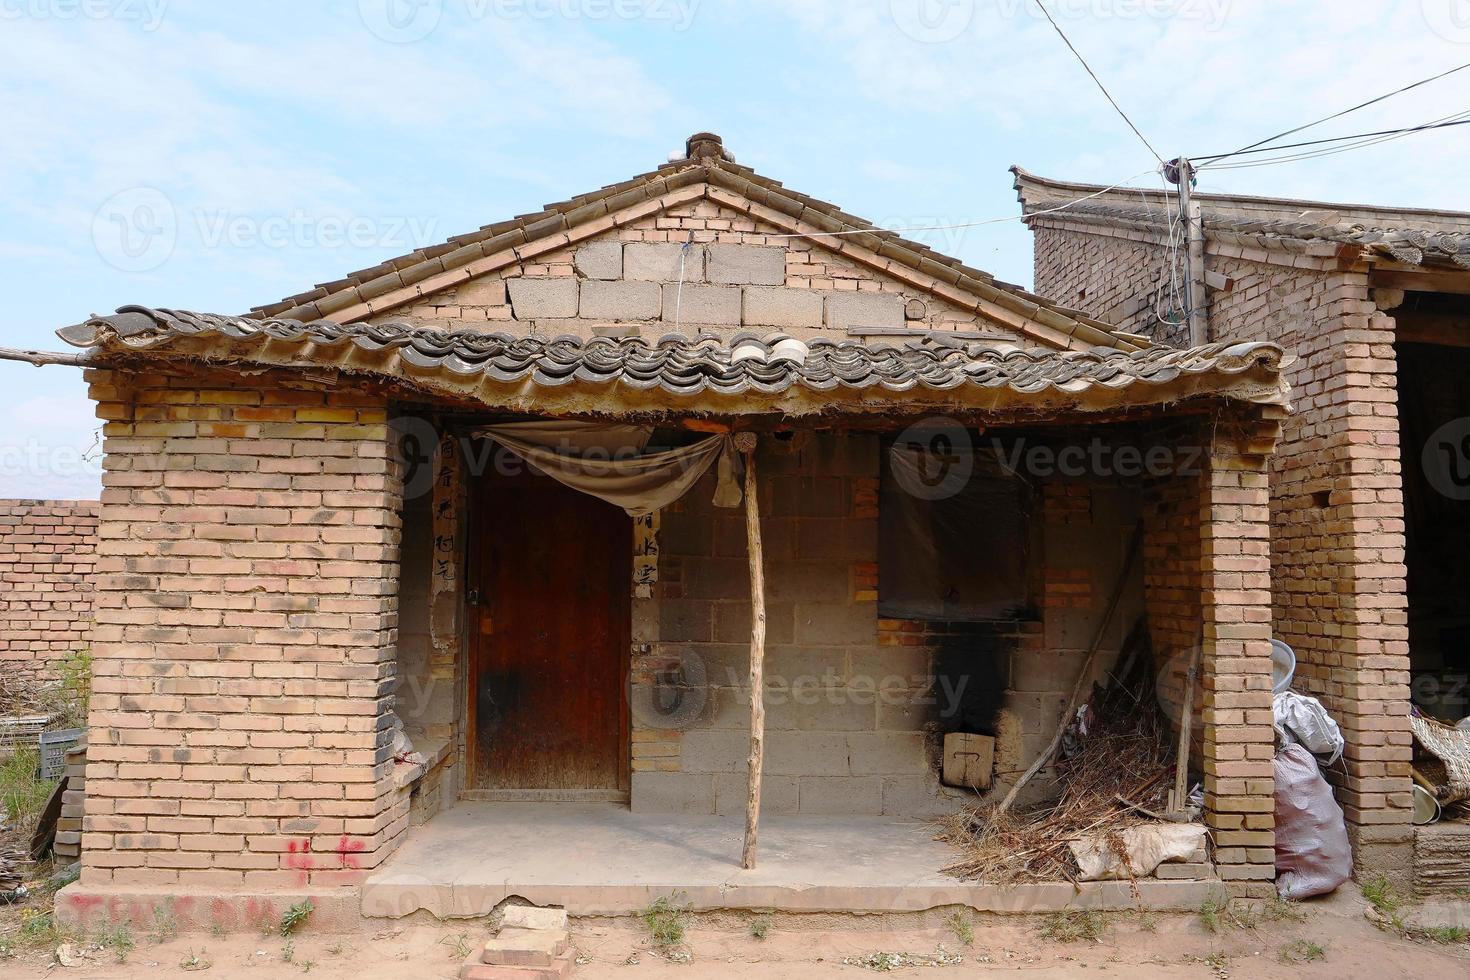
(1313, 856)
(1303, 721)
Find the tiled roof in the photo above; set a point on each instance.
(735, 376)
(371, 291)
(1413, 237)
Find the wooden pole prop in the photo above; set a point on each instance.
(745, 442)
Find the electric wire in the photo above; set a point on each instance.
(1252, 147)
(1067, 41)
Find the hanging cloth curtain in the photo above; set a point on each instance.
(608, 461)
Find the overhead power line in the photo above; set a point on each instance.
(1100, 85)
(1362, 105)
(1358, 141)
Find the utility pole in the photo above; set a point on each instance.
(1194, 240)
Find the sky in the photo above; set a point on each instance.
(212, 156)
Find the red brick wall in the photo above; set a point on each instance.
(247, 593)
(47, 552)
(1337, 533)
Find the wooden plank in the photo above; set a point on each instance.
(746, 442)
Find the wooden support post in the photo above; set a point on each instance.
(745, 442)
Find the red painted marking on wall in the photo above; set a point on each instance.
(298, 854)
(346, 848)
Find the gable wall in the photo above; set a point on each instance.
(737, 275)
(1338, 578)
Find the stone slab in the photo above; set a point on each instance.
(846, 310)
(599, 260)
(747, 265)
(777, 306)
(660, 262)
(619, 300)
(595, 859)
(533, 917)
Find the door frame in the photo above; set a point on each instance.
(478, 525)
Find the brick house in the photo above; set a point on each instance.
(1368, 512)
(309, 542)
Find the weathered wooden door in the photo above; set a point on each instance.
(550, 639)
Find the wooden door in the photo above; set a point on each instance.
(551, 639)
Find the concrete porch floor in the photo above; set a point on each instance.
(603, 859)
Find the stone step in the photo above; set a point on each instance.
(560, 969)
(533, 917)
(525, 947)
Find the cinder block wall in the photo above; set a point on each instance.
(853, 701)
(245, 638)
(1338, 575)
(47, 551)
(735, 276)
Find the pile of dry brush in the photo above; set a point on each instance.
(1127, 754)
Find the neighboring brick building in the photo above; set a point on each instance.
(47, 552)
(1368, 531)
(307, 541)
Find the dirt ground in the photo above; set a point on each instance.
(1343, 943)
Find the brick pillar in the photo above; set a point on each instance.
(1235, 566)
(245, 639)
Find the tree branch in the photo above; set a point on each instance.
(41, 358)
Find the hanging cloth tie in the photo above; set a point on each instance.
(608, 461)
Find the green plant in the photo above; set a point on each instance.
(760, 926)
(288, 950)
(963, 926)
(1147, 921)
(306, 965)
(119, 939)
(296, 916)
(73, 691)
(1217, 915)
(1070, 927)
(459, 945)
(23, 793)
(665, 920)
(1444, 935)
(1380, 894)
(336, 949)
(1302, 951)
(1280, 909)
(165, 925)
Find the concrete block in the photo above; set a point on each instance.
(701, 304)
(659, 262)
(620, 300)
(780, 795)
(532, 299)
(915, 796)
(600, 260)
(777, 306)
(485, 291)
(864, 310)
(806, 754)
(714, 751)
(845, 795)
(533, 917)
(887, 753)
(673, 792)
(741, 265)
(836, 623)
(1184, 872)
